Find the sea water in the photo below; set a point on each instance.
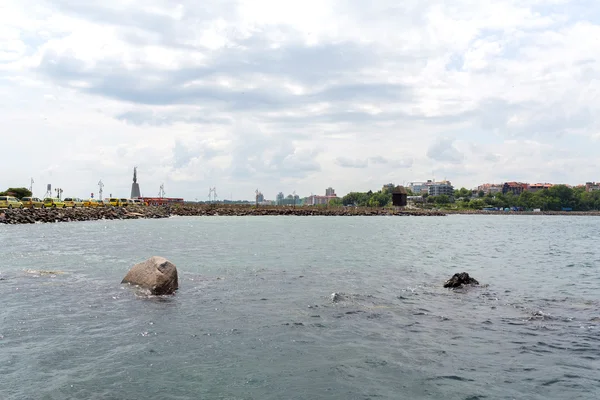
(253, 318)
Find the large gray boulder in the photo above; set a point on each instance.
(156, 274)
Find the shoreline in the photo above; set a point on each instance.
(540, 213)
(31, 216)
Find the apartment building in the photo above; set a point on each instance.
(439, 188)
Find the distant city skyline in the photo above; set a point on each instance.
(325, 191)
(296, 96)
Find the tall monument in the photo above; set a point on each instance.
(135, 187)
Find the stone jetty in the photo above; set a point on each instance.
(243, 210)
(30, 216)
(48, 215)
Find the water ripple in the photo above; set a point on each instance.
(254, 318)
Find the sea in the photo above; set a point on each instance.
(254, 318)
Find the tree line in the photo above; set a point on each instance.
(554, 198)
(381, 198)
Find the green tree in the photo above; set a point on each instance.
(354, 198)
(337, 202)
(500, 200)
(379, 199)
(477, 204)
(462, 192)
(442, 199)
(19, 193)
(525, 200)
(510, 200)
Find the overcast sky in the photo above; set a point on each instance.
(296, 95)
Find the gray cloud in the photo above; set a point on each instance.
(182, 155)
(537, 119)
(442, 149)
(158, 87)
(346, 162)
(378, 160)
(140, 118)
(137, 22)
(405, 163)
(257, 155)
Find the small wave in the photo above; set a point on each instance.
(43, 272)
(453, 377)
(551, 382)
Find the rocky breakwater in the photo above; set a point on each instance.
(243, 210)
(30, 216)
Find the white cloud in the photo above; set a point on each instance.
(300, 96)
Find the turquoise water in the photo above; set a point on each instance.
(253, 318)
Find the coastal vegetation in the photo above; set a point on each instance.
(19, 193)
(555, 198)
(367, 199)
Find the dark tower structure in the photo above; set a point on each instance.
(399, 197)
(135, 187)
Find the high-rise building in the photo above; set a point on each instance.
(420, 187)
(260, 197)
(439, 188)
(280, 198)
(329, 191)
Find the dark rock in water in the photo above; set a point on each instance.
(156, 274)
(460, 279)
(335, 297)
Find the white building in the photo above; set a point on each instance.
(419, 187)
(439, 188)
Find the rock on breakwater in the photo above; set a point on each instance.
(30, 216)
(244, 210)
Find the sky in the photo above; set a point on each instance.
(296, 95)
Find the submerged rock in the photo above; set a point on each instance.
(460, 279)
(156, 274)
